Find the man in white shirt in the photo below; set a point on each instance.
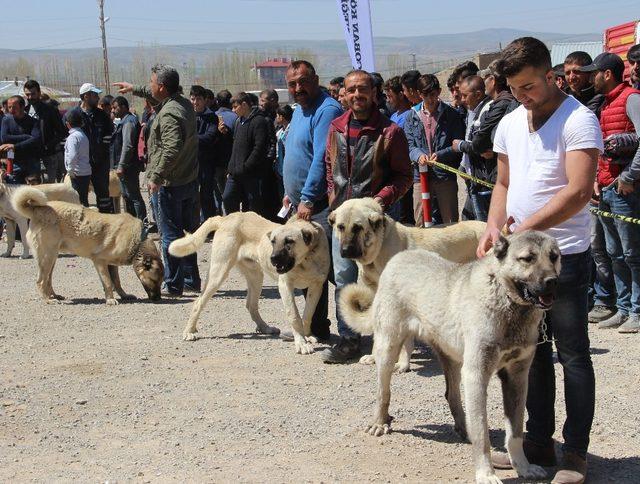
(547, 156)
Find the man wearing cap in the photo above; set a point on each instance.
(619, 188)
(98, 127)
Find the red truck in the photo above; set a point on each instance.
(620, 38)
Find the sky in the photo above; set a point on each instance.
(73, 23)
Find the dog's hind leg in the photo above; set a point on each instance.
(514, 382)
(254, 277)
(11, 237)
(221, 263)
(115, 280)
(24, 228)
(387, 348)
(479, 364)
(452, 377)
(403, 364)
(107, 284)
(46, 258)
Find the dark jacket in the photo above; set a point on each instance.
(25, 135)
(251, 143)
(450, 126)
(482, 140)
(52, 129)
(380, 168)
(125, 144)
(590, 99)
(172, 145)
(98, 127)
(207, 128)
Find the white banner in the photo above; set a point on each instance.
(356, 18)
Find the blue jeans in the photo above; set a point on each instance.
(177, 213)
(133, 201)
(604, 288)
(480, 202)
(623, 246)
(567, 323)
(345, 271)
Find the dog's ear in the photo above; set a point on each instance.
(332, 218)
(376, 221)
(307, 236)
(501, 247)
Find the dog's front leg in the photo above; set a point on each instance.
(11, 237)
(514, 381)
(105, 278)
(286, 289)
(476, 372)
(115, 280)
(314, 293)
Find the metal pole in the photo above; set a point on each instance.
(105, 57)
(414, 61)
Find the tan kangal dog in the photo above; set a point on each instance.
(53, 191)
(109, 240)
(296, 255)
(371, 239)
(480, 318)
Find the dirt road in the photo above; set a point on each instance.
(91, 393)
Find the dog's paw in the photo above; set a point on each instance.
(128, 297)
(378, 429)
(188, 336)
(112, 302)
(462, 432)
(266, 329)
(5, 254)
(487, 479)
(311, 339)
(53, 300)
(532, 471)
(368, 360)
(401, 368)
(303, 348)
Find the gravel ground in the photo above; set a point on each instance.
(90, 392)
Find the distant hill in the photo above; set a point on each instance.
(393, 54)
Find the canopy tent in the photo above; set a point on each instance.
(16, 88)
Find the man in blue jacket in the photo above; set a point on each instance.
(21, 134)
(304, 177)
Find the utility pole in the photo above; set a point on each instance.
(105, 57)
(413, 62)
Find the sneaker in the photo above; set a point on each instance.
(191, 289)
(345, 351)
(614, 321)
(166, 292)
(572, 469)
(541, 455)
(600, 312)
(631, 325)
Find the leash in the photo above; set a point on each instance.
(544, 332)
(595, 211)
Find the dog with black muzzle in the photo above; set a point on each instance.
(480, 318)
(109, 240)
(295, 254)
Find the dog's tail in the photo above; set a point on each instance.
(355, 304)
(26, 199)
(190, 243)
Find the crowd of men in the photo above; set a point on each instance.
(534, 132)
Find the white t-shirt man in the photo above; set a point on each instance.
(537, 165)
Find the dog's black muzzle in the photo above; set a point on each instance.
(282, 261)
(351, 251)
(541, 294)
